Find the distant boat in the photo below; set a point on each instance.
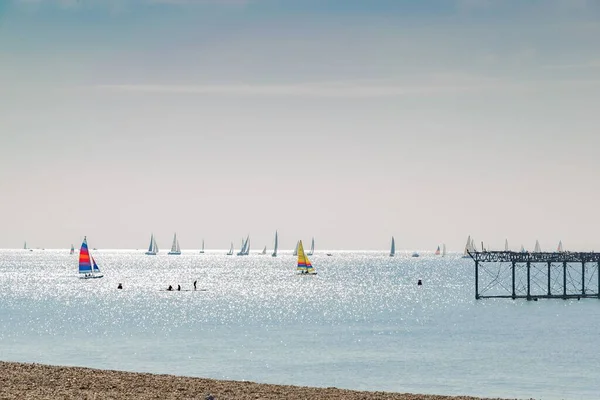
(25, 246)
(537, 248)
(560, 247)
(329, 254)
(72, 250)
(296, 249)
(202, 249)
(87, 269)
(414, 254)
(522, 249)
(275, 246)
(175, 249)
(469, 247)
(505, 244)
(153, 248)
(264, 251)
(245, 250)
(444, 250)
(304, 265)
(230, 252)
(393, 248)
(437, 252)
(312, 248)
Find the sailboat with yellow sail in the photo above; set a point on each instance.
(304, 265)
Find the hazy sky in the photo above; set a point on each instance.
(346, 120)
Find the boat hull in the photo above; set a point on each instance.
(91, 276)
(174, 253)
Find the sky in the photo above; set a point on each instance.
(348, 121)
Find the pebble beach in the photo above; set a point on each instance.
(36, 381)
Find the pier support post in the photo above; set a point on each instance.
(583, 278)
(549, 280)
(598, 273)
(476, 279)
(514, 293)
(528, 280)
(564, 279)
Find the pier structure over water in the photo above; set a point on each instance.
(532, 276)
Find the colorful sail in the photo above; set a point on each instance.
(304, 265)
(437, 252)
(85, 266)
(94, 265)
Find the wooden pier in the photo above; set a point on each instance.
(532, 276)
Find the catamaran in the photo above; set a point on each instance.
(393, 249)
(175, 249)
(153, 248)
(275, 247)
(312, 248)
(304, 265)
(87, 269)
(437, 252)
(230, 252)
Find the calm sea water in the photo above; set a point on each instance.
(361, 323)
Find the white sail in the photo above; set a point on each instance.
(175, 250)
(468, 247)
(560, 246)
(264, 250)
(537, 248)
(275, 246)
(312, 248)
(296, 249)
(230, 253)
(505, 244)
(152, 248)
(202, 250)
(522, 249)
(393, 248)
(444, 250)
(245, 250)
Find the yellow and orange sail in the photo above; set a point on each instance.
(304, 265)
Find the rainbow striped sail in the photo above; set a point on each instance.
(87, 265)
(304, 265)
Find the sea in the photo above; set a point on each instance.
(361, 323)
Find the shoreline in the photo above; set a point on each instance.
(40, 381)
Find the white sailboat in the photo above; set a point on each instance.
(469, 247)
(202, 249)
(245, 250)
(296, 249)
(393, 248)
(537, 248)
(275, 247)
(175, 249)
(560, 247)
(312, 248)
(264, 251)
(153, 248)
(505, 244)
(444, 250)
(522, 249)
(230, 252)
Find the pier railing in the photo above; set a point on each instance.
(524, 275)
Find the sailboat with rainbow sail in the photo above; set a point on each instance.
(88, 268)
(304, 265)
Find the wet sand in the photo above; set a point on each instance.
(36, 381)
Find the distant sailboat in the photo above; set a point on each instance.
(153, 247)
(72, 250)
(560, 247)
(230, 252)
(537, 248)
(444, 250)
(275, 247)
(264, 251)
(296, 249)
(87, 269)
(312, 248)
(469, 247)
(175, 249)
(25, 246)
(414, 254)
(245, 250)
(522, 249)
(393, 248)
(304, 265)
(505, 244)
(202, 249)
(437, 252)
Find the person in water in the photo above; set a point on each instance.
(178, 287)
(419, 283)
(170, 287)
(120, 286)
(195, 284)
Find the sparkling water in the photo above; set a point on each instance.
(361, 323)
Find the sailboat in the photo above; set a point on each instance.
(444, 250)
(304, 265)
(245, 250)
(560, 247)
(522, 249)
(505, 244)
(537, 248)
(275, 247)
(87, 269)
(230, 252)
(296, 249)
(175, 250)
(202, 249)
(469, 247)
(437, 252)
(153, 248)
(312, 248)
(393, 249)
(25, 246)
(72, 250)
(264, 251)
